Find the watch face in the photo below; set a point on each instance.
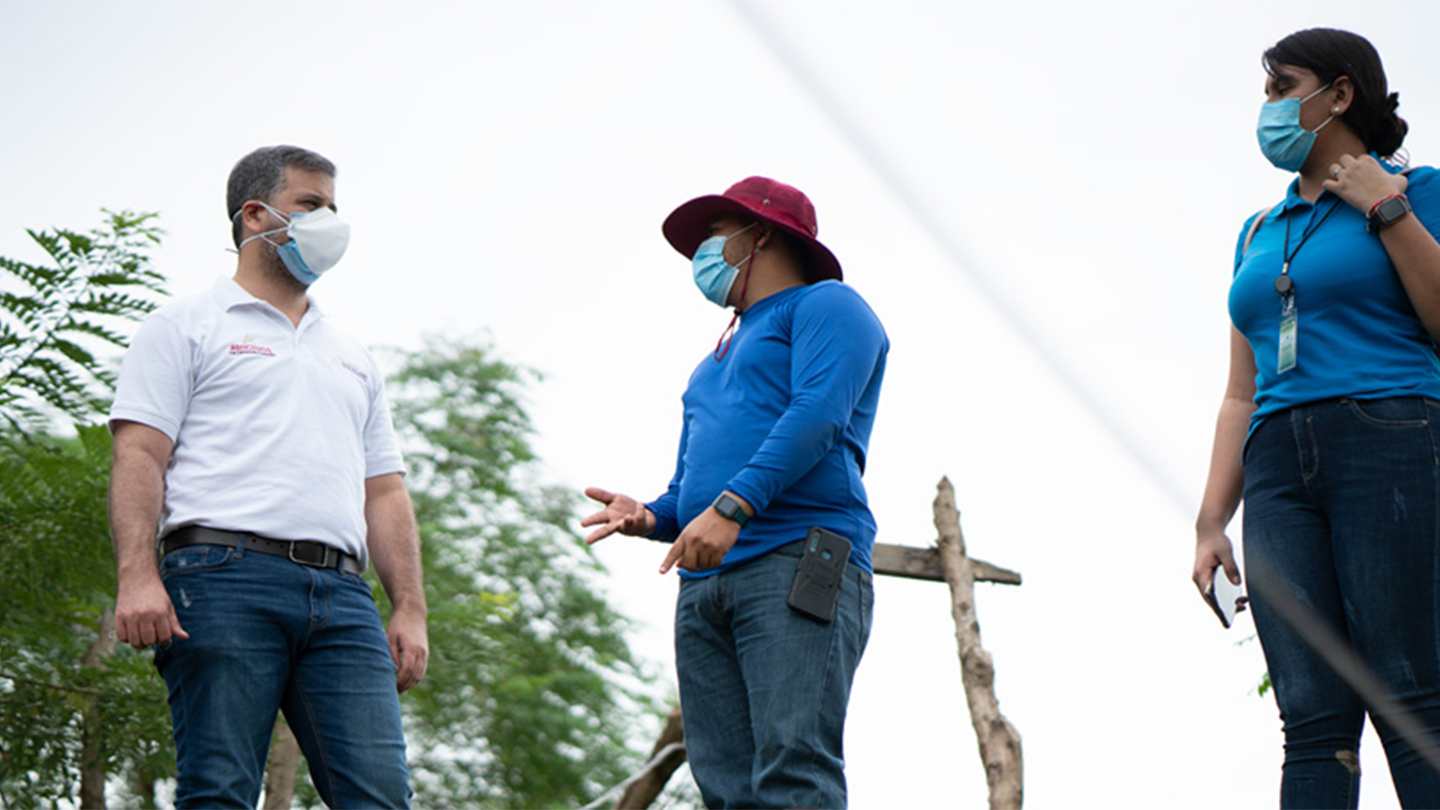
(730, 508)
(1391, 210)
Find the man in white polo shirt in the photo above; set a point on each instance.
(255, 440)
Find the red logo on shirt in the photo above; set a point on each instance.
(251, 348)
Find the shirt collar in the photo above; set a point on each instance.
(229, 294)
(773, 299)
(1293, 199)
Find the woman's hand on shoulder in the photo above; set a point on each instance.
(1362, 182)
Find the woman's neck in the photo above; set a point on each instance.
(1327, 153)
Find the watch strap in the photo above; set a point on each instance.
(729, 507)
(1386, 212)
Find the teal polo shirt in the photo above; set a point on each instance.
(1357, 334)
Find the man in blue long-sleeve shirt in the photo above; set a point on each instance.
(777, 421)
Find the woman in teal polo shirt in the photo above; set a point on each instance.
(1330, 425)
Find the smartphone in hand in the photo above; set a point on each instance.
(1224, 598)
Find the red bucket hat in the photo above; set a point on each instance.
(774, 202)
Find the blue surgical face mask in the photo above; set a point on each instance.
(1285, 143)
(713, 275)
(317, 241)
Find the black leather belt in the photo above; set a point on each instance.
(304, 552)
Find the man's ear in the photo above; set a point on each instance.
(252, 218)
(762, 236)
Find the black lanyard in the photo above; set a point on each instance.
(1284, 284)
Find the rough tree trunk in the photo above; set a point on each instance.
(144, 791)
(643, 791)
(92, 732)
(282, 767)
(999, 741)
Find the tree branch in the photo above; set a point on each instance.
(999, 741)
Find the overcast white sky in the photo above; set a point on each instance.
(1040, 200)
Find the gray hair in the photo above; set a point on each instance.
(260, 175)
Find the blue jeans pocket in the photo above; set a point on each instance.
(1393, 412)
(358, 582)
(194, 559)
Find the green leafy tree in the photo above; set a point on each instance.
(533, 696)
(73, 708)
(53, 316)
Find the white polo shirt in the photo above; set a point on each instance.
(276, 427)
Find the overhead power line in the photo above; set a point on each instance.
(1335, 650)
(1028, 329)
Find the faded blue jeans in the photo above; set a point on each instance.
(1341, 502)
(763, 689)
(267, 634)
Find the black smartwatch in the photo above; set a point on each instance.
(729, 507)
(1387, 212)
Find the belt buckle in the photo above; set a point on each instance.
(313, 563)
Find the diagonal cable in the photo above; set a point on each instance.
(1274, 594)
(1333, 649)
(754, 14)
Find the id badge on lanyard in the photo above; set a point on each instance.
(1289, 331)
(1285, 286)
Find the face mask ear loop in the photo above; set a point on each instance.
(1313, 95)
(262, 234)
(722, 346)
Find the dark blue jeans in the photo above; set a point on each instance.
(763, 689)
(267, 634)
(1341, 500)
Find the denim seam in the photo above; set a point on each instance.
(1430, 431)
(1307, 448)
(1357, 408)
(319, 769)
(323, 766)
(319, 583)
(173, 570)
(817, 777)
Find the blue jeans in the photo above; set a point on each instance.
(267, 634)
(763, 689)
(1341, 502)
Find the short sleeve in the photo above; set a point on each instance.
(382, 447)
(157, 378)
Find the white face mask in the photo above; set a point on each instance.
(317, 241)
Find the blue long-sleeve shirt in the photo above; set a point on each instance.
(783, 420)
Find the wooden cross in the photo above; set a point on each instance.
(946, 562)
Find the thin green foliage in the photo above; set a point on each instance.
(54, 318)
(70, 700)
(58, 575)
(533, 695)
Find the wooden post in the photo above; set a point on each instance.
(947, 562)
(283, 767)
(999, 741)
(92, 733)
(642, 792)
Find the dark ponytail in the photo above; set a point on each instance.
(1329, 54)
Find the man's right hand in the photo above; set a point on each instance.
(144, 614)
(622, 513)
